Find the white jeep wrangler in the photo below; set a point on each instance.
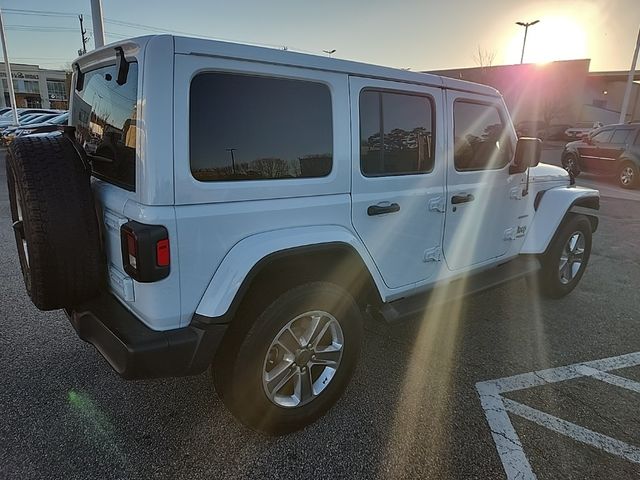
(246, 208)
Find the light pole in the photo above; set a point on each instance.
(632, 73)
(7, 66)
(526, 26)
(233, 159)
(98, 23)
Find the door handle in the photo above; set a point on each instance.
(381, 209)
(464, 198)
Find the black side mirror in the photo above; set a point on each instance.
(527, 155)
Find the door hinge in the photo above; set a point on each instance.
(432, 254)
(516, 193)
(437, 204)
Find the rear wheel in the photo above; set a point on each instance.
(566, 259)
(294, 362)
(628, 175)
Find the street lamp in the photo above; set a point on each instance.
(526, 26)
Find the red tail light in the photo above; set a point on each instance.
(146, 254)
(162, 253)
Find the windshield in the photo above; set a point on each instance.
(104, 114)
(60, 119)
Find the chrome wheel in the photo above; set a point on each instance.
(18, 224)
(627, 175)
(571, 258)
(570, 163)
(302, 359)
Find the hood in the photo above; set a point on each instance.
(574, 144)
(548, 173)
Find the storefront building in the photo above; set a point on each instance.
(35, 87)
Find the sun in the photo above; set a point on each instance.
(554, 38)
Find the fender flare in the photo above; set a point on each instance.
(247, 257)
(551, 207)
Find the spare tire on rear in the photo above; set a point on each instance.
(54, 221)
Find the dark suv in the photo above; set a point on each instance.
(609, 150)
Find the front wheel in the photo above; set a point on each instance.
(294, 362)
(566, 259)
(570, 164)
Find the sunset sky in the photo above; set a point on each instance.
(421, 35)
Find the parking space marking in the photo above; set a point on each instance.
(497, 409)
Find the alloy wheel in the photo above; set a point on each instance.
(571, 258)
(302, 359)
(627, 175)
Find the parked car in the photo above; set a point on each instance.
(535, 129)
(581, 129)
(263, 204)
(8, 133)
(613, 150)
(556, 131)
(7, 120)
(50, 125)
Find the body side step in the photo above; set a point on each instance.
(404, 308)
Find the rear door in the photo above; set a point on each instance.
(398, 176)
(485, 207)
(610, 152)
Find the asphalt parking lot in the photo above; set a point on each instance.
(449, 397)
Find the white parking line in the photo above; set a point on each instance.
(497, 408)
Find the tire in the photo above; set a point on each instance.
(552, 280)
(570, 163)
(55, 224)
(241, 373)
(628, 175)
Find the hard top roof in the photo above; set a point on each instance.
(217, 48)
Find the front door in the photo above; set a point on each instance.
(398, 176)
(485, 207)
(590, 152)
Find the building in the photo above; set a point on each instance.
(35, 87)
(562, 92)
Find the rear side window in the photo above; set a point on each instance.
(396, 134)
(244, 127)
(620, 136)
(602, 137)
(481, 140)
(104, 114)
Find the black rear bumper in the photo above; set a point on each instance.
(134, 350)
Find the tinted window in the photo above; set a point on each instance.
(481, 139)
(251, 128)
(602, 136)
(104, 114)
(396, 135)
(620, 136)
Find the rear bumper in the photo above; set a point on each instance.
(134, 350)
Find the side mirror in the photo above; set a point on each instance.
(527, 155)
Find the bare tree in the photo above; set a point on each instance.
(483, 57)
